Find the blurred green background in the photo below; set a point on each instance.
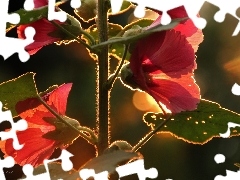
(218, 60)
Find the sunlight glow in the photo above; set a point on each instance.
(144, 102)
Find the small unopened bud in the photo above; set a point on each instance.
(127, 77)
(122, 145)
(119, 145)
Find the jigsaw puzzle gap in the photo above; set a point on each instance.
(75, 3)
(53, 15)
(28, 5)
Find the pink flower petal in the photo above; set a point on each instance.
(58, 98)
(40, 3)
(163, 63)
(168, 51)
(177, 94)
(35, 149)
(41, 38)
(33, 111)
(187, 28)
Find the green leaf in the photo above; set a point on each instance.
(117, 49)
(18, 89)
(109, 161)
(87, 11)
(130, 39)
(126, 5)
(115, 30)
(141, 22)
(71, 25)
(27, 17)
(198, 126)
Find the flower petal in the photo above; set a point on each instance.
(187, 28)
(41, 38)
(58, 98)
(177, 94)
(35, 149)
(33, 111)
(40, 3)
(168, 51)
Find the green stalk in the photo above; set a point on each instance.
(149, 136)
(71, 35)
(112, 78)
(103, 122)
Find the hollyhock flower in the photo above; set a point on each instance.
(43, 29)
(162, 65)
(45, 132)
(186, 28)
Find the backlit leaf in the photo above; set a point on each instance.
(126, 5)
(27, 17)
(18, 89)
(130, 39)
(115, 30)
(198, 126)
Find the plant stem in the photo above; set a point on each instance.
(71, 35)
(90, 38)
(79, 131)
(112, 78)
(149, 135)
(103, 122)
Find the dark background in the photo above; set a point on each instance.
(218, 60)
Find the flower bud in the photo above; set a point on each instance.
(127, 77)
(122, 145)
(119, 145)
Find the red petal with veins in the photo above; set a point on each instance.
(35, 148)
(41, 38)
(168, 51)
(163, 63)
(33, 111)
(164, 70)
(58, 98)
(187, 28)
(177, 94)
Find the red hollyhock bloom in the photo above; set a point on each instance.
(42, 27)
(186, 28)
(162, 65)
(45, 132)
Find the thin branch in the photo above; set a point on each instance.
(92, 40)
(88, 36)
(71, 35)
(112, 78)
(149, 135)
(79, 131)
